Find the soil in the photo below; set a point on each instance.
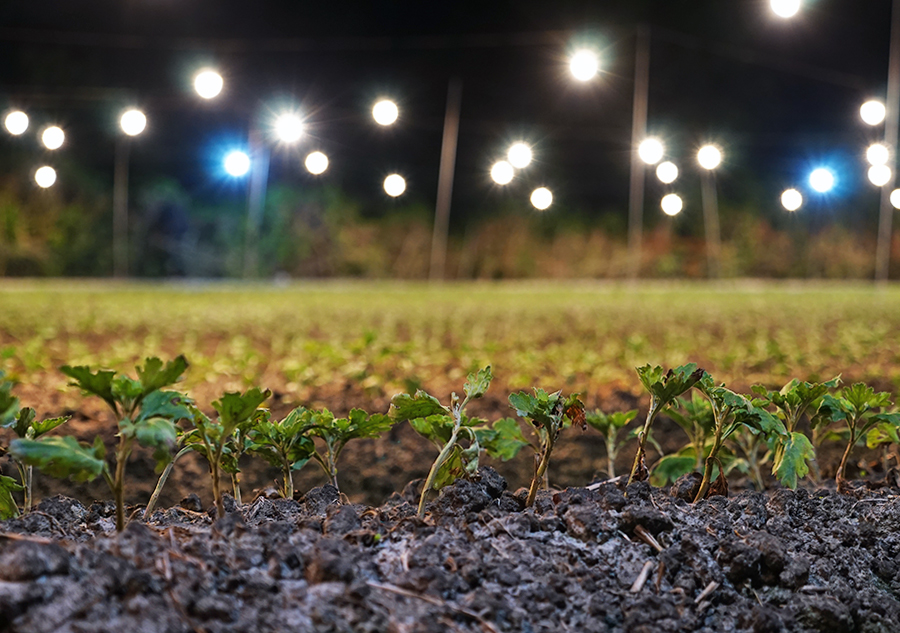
(603, 558)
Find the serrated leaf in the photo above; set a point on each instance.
(8, 507)
(604, 422)
(525, 404)
(97, 384)
(436, 428)
(237, 408)
(421, 405)
(171, 405)
(503, 440)
(61, 457)
(24, 422)
(48, 424)
(666, 387)
(671, 467)
(125, 389)
(477, 384)
(791, 459)
(154, 375)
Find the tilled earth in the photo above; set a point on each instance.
(602, 559)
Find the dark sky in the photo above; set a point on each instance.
(780, 97)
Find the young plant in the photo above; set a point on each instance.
(609, 426)
(792, 450)
(731, 411)
(285, 443)
(446, 426)
(221, 441)
(861, 410)
(549, 414)
(144, 414)
(663, 388)
(750, 451)
(695, 417)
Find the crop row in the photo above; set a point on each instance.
(726, 431)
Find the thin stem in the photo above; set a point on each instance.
(711, 458)
(217, 490)
(332, 465)
(540, 472)
(651, 414)
(611, 452)
(441, 458)
(288, 488)
(119, 482)
(839, 478)
(162, 481)
(236, 487)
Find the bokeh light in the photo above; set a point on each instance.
(584, 65)
(519, 155)
(133, 122)
(237, 164)
(709, 157)
(821, 180)
(541, 198)
(791, 200)
(651, 151)
(880, 175)
(45, 177)
(385, 112)
(288, 128)
(316, 163)
(53, 137)
(895, 198)
(16, 122)
(667, 172)
(872, 112)
(672, 204)
(785, 8)
(394, 185)
(878, 154)
(502, 172)
(208, 83)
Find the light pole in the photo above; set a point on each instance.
(446, 172)
(132, 122)
(710, 157)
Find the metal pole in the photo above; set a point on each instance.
(710, 195)
(120, 208)
(891, 124)
(445, 181)
(259, 180)
(638, 133)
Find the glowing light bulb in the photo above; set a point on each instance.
(133, 122)
(53, 137)
(584, 65)
(519, 155)
(672, 204)
(16, 122)
(872, 112)
(880, 175)
(667, 172)
(45, 177)
(385, 112)
(541, 198)
(651, 151)
(394, 185)
(785, 8)
(502, 173)
(709, 157)
(821, 180)
(791, 200)
(316, 163)
(878, 154)
(288, 128)
(237, 164)
(208, 84)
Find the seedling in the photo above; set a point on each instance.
(695, 417)
(444, 427)
(549, 414)
(144, 414)
(861, 410)
(792, 450)
(285, 444)
(609, 425)
(221, 441)
(750, 451)
(663, 388)
(731, 411)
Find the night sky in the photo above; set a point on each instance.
(779, 97)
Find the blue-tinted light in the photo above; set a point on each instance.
(822, 180)
(237, 164)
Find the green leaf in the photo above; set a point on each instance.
(8, 507)
(126, 390)
(477, 384)
(604, 422)
(97, 384)
(666, 387)
(421, 405)
(47, 425)
(503, 440)
(791, 459)
(435, 428)
(154, 375)
(61, 457)
(9, 404)
(236, 408)
(23, 422)
(671, 467)
(171, 405)
(525, 404)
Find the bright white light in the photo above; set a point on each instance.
(672, 204)
(822, 180)
(872, 112)
(53, 137)
(880, 175)
(651, 151)
(785, 8)
(667, 172)
(288, 128)
(208, 83)
(237, 164)
(316, 163)
(45, 177)
(709, 157)
(502, 173)
(385, 112)
(877, 154)
(895, 198)
(133, 122)
(584, 65)
(16, 122)
(394, 185)
(519, 155)
(541, 198)
(791, 200)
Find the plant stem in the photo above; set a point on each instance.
(540, 472)
(236, 487)
(217, 492)
(711, 458)
(651, 414)
(441, 458)
(839, 478)
(611, 453)
(162, 482)
(288, 488)
(122, 454)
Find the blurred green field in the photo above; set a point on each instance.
(342, 344)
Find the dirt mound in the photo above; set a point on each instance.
(607, 559)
